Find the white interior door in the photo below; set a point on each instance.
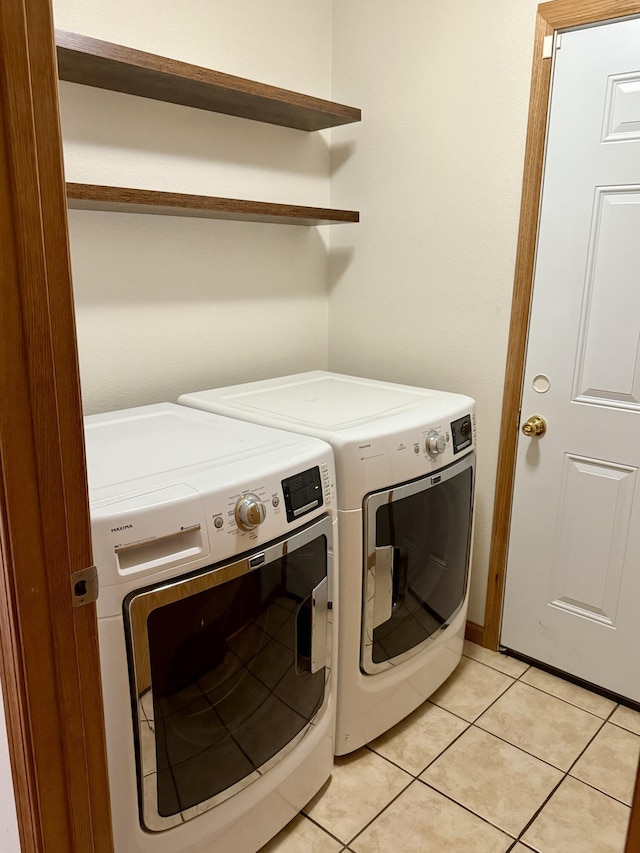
(572, 597)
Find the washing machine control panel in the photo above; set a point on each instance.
(249, 512)
(166, 531)
(436, 443)
(303, 492)
(264, 509)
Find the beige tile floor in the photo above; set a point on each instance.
(504, 757)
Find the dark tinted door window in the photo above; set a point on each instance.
(230, 677)
(429, 532)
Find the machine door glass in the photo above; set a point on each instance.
(418, 538)
(229, 668)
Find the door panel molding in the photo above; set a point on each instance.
(48, 649)
(551, 16)
(599, 494)
(600, 380)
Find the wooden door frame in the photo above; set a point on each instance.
(49, 663)
(551, 16)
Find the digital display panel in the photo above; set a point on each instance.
(302, 493)
(462, 433)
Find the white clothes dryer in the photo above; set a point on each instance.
(214, 544)
(405, 465)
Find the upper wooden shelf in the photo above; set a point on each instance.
(122, 69)
(129, 200)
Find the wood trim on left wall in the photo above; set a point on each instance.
(48, 649)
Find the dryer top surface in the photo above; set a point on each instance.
(324, 404)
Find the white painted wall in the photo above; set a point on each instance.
(421, 293)
(9, 840)
(166, 304)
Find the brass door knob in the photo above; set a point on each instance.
(535, 425)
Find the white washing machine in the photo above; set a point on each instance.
(405, 480)
(213, 541)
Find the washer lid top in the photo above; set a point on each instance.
(322, 403)
(151, 446)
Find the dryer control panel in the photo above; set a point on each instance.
(397, 450)
(462, 433)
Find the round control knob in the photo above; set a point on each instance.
(435, 443)
(250, 512)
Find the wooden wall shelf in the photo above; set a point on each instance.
(128, 200)
(93, 62)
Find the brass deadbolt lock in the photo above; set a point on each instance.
(534, 426)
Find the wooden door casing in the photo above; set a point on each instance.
(48, 649)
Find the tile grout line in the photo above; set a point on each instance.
(513, 847)
(536, 814)
(467, 809)
(602, 722)
(588, 784)
(473, 723)
(565, 776)
(546, 692)
(324, 829)
(417, 778)
(529, 666)
(525, 751)
(564, 772)
(493, 668)
(624, 728)
(499, 696)
(429, 763)
(383, 809)
(586, 747)
(587, 686)
(503, 740)
(567, 702)
(453, 713)
(599, 791)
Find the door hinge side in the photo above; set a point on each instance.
(84, 586)
(551, 43)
